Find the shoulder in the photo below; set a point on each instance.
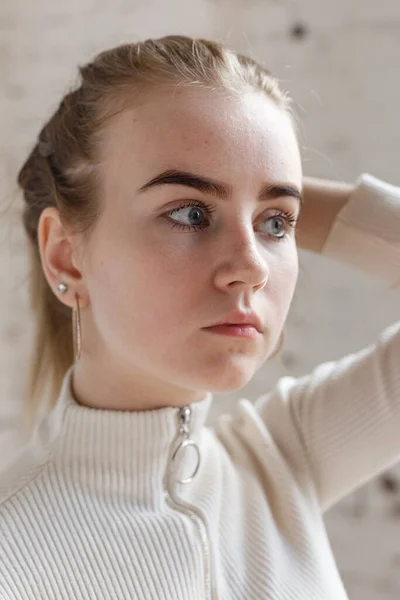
(25, 465)
(29, 458)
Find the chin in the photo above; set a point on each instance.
(230, 379)
(231, 387)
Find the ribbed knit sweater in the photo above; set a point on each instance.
(93, 507)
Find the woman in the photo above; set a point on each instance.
(162, 200)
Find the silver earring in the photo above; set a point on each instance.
(76, 322)
(62, 288)
(76, 330)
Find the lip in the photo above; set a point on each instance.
(241, 319)
(242, 331)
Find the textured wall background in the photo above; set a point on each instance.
(340, 61)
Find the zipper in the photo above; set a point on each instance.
(181, 441)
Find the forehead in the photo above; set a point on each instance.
(219, 134)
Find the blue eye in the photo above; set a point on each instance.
(277, 228)
(197, 210)
(198, 214)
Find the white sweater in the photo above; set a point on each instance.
(91, 508)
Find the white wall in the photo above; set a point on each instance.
(344, 76)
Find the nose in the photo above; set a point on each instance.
(241, 263)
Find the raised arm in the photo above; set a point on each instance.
(343, 420)
(358, 225)
(323, 200)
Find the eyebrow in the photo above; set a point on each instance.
(217, 188)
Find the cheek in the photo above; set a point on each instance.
(143, 287)
(282, 282)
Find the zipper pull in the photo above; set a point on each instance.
(184, 418)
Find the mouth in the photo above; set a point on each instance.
(240, 330)
(241, 319)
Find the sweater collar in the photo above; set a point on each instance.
(125, 451)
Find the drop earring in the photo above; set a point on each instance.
(76, 322)
(76, 329)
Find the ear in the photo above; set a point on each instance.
(57, 248)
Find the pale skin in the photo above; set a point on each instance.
(323, 200)
(147, 289)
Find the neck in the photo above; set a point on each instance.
(102, 386)
(122, 452)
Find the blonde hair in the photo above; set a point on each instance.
(62, 168)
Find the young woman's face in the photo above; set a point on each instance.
(171, 256)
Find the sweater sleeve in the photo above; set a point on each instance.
(366, 232)
(345, 415)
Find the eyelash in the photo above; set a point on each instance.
(289, 217)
